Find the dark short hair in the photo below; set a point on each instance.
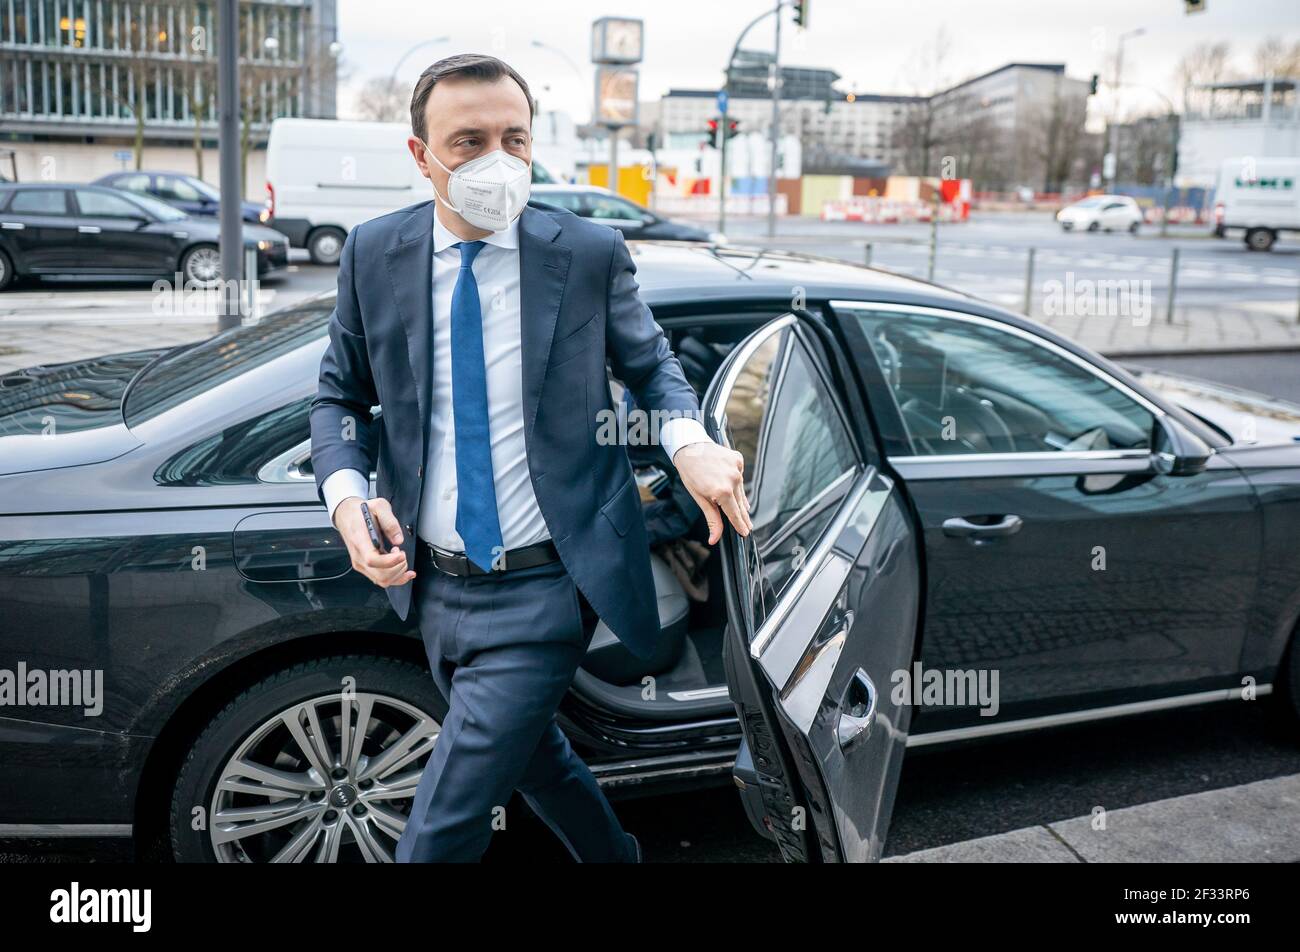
(478, 66)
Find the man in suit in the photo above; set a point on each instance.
(482, 326)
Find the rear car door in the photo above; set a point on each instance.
(822, 600)
(40, 229)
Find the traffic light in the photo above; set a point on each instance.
(712, 133)
(733, 128)
(1092, 87)
(801, 14)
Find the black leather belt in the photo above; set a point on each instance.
(458, 563)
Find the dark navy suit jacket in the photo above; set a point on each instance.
(579, 307)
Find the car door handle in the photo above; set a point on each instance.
(12, 225)
(857, 710)
(89, 229)
(960, 527)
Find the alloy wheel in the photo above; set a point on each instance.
(328, 780)
(203, 266)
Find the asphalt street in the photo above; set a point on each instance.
(988, 256)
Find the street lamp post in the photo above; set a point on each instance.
(392, 80)
(232, 223)
(1119, 82)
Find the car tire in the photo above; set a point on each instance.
(253, 727)
(325, 245)
(6, 271)
(1133, 228)
(201, 266)
(1260, 239)
(1094, 226)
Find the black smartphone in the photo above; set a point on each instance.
(375, 537)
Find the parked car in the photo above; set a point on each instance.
(187, 193)
(603, 206)
(935, 481)
(1101, 213)
(56, 229)
(326, 176)
(1258, 199)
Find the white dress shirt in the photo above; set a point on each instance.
(496, 271)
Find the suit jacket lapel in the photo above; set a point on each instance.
(543, 270)
(410, 272)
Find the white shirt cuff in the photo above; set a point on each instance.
(341, 484)
(681, 431)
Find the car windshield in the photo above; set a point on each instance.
(160, 210)
(1090, 202)
(191, 371)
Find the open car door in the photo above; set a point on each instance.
(822, 601)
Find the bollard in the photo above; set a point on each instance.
(1029, 284)
(249, 296)
(1173, 286)
(866, 254)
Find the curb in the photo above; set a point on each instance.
(1250, 823)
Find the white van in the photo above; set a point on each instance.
(1257, 198)
(326, 176)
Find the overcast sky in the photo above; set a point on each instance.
(875, 45)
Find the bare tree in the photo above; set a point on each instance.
(384, 99)
(1205, 63)
(1275, 57)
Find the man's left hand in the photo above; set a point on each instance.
(714, 476)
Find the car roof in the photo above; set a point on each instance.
(564, 187)
(674, 271)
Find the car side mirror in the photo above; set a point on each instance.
(1179, 451)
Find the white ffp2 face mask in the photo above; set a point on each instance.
(488, 192)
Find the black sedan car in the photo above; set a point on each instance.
(52, 229)
(603, 206)
(964, 526)
(187, 193)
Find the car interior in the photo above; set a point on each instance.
(686, 669)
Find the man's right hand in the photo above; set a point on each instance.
(382, 568)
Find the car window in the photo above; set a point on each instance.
(177, 189)
(567, 200)
(105, 205)
(607, 206)
(783, 420)
(40, 201)
(155, 207)
(133, 183)
(966, 387)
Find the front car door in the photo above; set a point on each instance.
(1058, 555)
(615, 212)
(119, 235)
(822, 600)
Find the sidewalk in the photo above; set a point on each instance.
(1251, 823)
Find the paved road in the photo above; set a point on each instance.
(987, 256)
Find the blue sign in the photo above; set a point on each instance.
(123, 155)
(722, 101)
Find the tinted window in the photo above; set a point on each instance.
(40, 201)
(963, 387)
(177, 189)
(568, 200)
(606, 206)
(133, 183)
(105, 205)
(784, 421)
(65, 398)
(152, 206)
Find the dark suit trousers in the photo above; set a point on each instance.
(503, 650)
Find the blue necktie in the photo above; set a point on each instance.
(476, 500)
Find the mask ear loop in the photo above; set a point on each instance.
(436, 194)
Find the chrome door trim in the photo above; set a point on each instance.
(1081, 716)
(41, 830)
(1015, 465)
(739, 358)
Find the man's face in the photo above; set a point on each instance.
(467, 118)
